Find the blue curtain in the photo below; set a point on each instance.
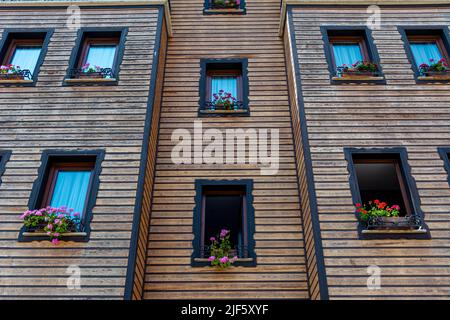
(227, 84)
(347, 53)
(26, 57)
(423, 52)
(71, 189)
(101, 55)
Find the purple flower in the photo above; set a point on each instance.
(76, 214)
(233, 260)
(224, 260)
(50, 226)
(55, 241)
(212, 239)
(212, 258)
(223, 233)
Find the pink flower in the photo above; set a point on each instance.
(233, 260)
(55, 241)
(395, 207)
(224, 260)
(56, 234)
(50, 226)
(76, 214)
(212, 258)
(223, 233)
(212, 239)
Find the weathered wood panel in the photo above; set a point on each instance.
(281, 270)
(400, 113)
(51, 116)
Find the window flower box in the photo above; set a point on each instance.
(361, 70)
(439, 70)
(224, 103)
(225, 4)
(52, 223)
(89, 73)
(11, 73)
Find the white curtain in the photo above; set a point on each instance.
(26, 57)
(71, 190)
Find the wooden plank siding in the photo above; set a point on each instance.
(399, 113)
(281, 268)
(52, 116)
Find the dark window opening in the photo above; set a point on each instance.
(381, 178)
(226, 78)
(224, 207)
(224, 6)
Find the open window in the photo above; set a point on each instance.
(383, 191)
(224, 87)
(224, 7)
(428, 50)
(70, 180)
(4, 157)
(97, 57)
(224, 205)
(21, 55)
(351, 54)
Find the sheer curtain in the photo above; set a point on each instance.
(26, 57)
(227, 84)
(101, 55)
(423, 52)
(347, 54)
(71, 189)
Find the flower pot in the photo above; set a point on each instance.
(438, 74)
(11, 76)
(391, 223)
(357, 74)
(90, 75)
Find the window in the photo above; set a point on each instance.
(224, 6)
(224, 87)
(428, 51)
(69, 179)
(97, 56)
(351, 54)
(4, 157)
(383, 175)
(23, 52)
(444, 152)
(224, 205)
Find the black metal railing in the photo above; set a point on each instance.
(345, 71)
(21, 75)
(407, 222)
(241, 252)
(223, 4)
(427, 73)
(77, 73)
(235, 105)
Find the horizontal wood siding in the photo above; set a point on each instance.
(310, 247)
(281, 270)
(51, 116)
(400, 113)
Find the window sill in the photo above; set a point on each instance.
(203, 260)
(420, 234)
(26, 236)
(224, 11)
(434, 79)
(91, 81)
(357, 79)
(16, 81)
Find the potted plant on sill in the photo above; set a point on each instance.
(54, 222)
(225, 4)
(439, 69)
(88, 71)
(360, 69)
(223, 101)
(221, 251)
(11, 72)
(378, 215)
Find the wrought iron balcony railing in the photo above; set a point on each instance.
(407, 222)
(21, 75)
(223, 4)
(104, 73)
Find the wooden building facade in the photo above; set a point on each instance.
(148, 217)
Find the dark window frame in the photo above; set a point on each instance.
(444, 153)
(89, 41)
(401, 154)
(351, 31)
(79, 48)
(198, 219)
(12, 35)
(204, 84)
(442, 31)
(5, 155)
(50, 157)
(207, 11)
